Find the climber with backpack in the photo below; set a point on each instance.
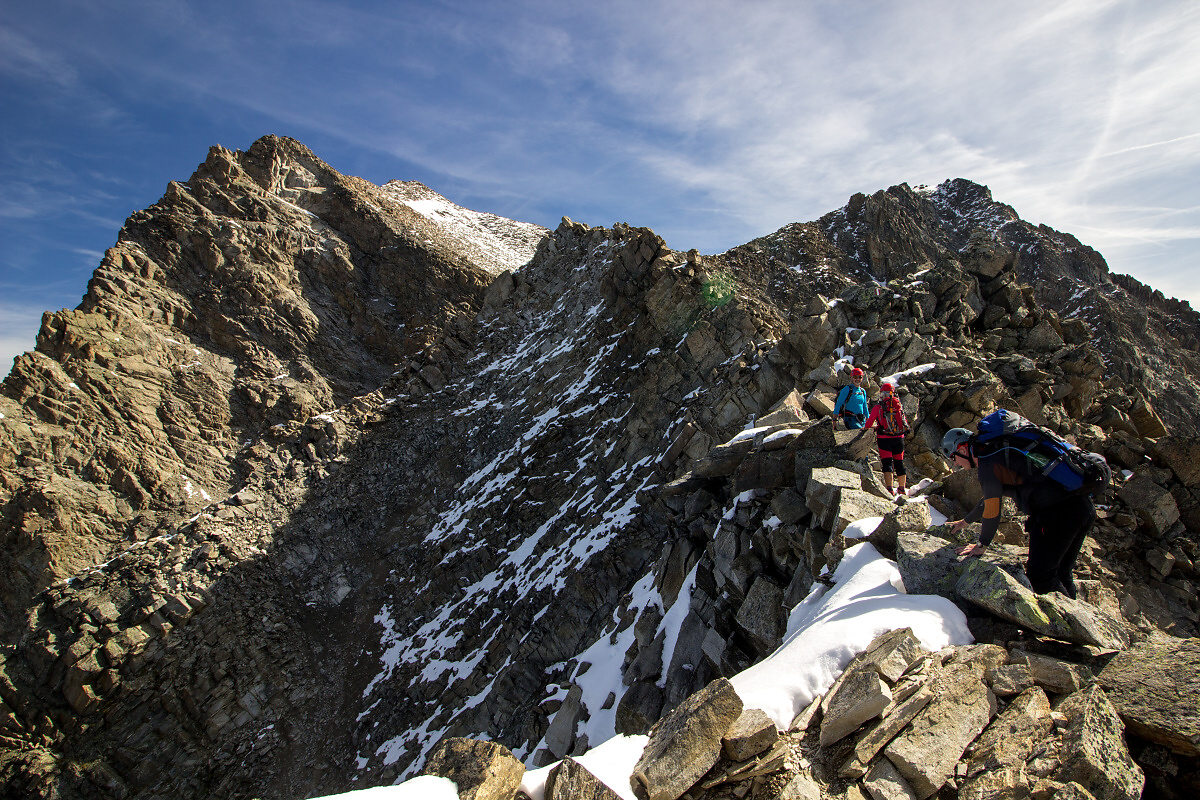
(1051, 480)
(888, 417)
(851, 403)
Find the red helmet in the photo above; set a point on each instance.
(856, 373)
(887, 386)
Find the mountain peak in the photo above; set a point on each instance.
(322, 476)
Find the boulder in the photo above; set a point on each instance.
(722, 460)
(820, 445)
(1053, 674)
(801, 787)
(686, 743)
(1094, 753)
(765, 469)
(1042, 338)
(1005, 782)
(1013, 734)
(962, 486)
(1155, 687)
(824, 490)
(1162, 561)
(753, 732)
(1009, 679)
(984, 657)
(570, 780)
(891, 654)
(1149, 424)
(638, 708)
(561, 734)
(871, 742)
(912, 517)
(1054, 614)
(885, 782)
(1072, 791)
(928, 564)
(788, 411)
(927, 751)
(809, 340)
(481, 770)
(762, 617)
(860, 697)
(855, 504)
(822, 403)
(789, 506)
(1182, 455)
(985, 257)
(1153, 504)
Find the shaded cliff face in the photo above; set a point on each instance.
(338, 470)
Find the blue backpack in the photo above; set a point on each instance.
(1077, 471)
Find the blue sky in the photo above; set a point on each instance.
(710, 122)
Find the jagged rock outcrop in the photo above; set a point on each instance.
(259, 294)
(322, 475)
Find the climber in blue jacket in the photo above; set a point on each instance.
(852, 402)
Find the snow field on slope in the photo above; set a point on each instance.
(529, 561)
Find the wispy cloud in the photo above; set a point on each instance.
(22, 58)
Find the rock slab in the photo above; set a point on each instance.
(928, 750)
(481, 770)
(1055, 615)
(1155, 687)
(1094, 752)
(686, 743)
(570, 780)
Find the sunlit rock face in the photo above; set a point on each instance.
(322, 473)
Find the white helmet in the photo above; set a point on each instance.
(953, 438)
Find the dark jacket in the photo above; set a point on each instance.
(1016, 478)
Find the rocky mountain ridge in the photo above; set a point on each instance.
(331, 482)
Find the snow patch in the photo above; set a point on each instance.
(831, 626)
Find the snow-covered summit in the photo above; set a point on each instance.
(496, 243)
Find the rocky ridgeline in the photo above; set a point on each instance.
(977, 721)
(313, 483)
(800, 485)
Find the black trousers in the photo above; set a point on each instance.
(1056, 534)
